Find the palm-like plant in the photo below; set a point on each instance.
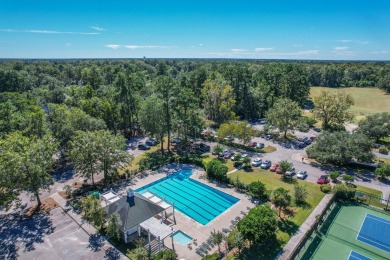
(217, 238)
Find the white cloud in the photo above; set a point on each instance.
(343, 48)
(97, 28)
(308, 52)
(47, 32)
(133, 47)
(354, 41)
(113, 46)
(264, 49)
(380, 52)
(238, 50)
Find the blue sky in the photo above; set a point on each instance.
(343, 29)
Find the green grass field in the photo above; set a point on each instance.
(337, 236)
(367, 100)
(273, 181)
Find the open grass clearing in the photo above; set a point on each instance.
(371, 191)
(273, 181)
(367, 100)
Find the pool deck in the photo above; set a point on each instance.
(189, 226)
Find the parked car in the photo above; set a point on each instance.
(228, 155)
(323, 179)
(278, 170)
(268, 137)
(260, 146)
(151, 142)
(256, 162)
(224, 153)
(175, 141)
(317, 130)
(265, 164)
(252, 144)
(273, 167)
(290, 172)
(143, 147)
(263, 121)
(229, 138)
(204, 147)
(301, 175)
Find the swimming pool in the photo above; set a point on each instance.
(192, 198)
(181, 238)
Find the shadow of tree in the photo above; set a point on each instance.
(112, 254)
(304, 205)
(287, 226)
(96, 241)
(17, 231)
(288, 179)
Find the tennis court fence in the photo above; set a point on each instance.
(373, 200)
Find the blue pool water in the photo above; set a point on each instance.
(181, 238)
(192, 198)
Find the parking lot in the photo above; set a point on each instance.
(52, 235)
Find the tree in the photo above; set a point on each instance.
(384, 83)
(167, 88)
(83, 154)
(26, 164)
(281, 199)
(93, 211)
(218, 99)
(216, 170)
(334, 175)
(375, 126)
(217, 238)
(285, 166)
(166, 254)
(68, 191)
(140, 253)
(218, 149)
(110, 152)
(284, 115)
(259, 226)
(239, 130)
(348, 179)
(238, 241)
(112, 228)
(257, 189)
(151, 118)
(340, 148)
(332, 109)
(300, 194)
(383, 171)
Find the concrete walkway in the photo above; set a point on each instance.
(296, 239)
(89, 229)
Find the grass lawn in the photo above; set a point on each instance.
(380, 159)
(367, 100)
(371, 191)
(273, 181)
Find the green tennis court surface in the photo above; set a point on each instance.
(337, 237)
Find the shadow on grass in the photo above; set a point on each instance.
(304, 205)
(287, 226)
(258, 252)
(288, 179)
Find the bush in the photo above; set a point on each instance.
(383, 150)
(325, 188)
(167, 254)
(310, 121)
(257, 189)
(216, 170)
(344, 192)
(237, 164)
(383, 171)
(214, 256)
(334, 175)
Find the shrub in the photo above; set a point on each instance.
(257, 189)
(334, 175)
(344, 192)
(237, 164)
(325, 188)
(383, 150)
(383, 171)
(348, 179)
(167, 254)
(216, 170)
(214, 256)
(300, 194)
(310, 121)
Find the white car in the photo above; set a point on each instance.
(259, 146)
(256, 162)
(301, 175)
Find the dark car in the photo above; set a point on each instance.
(323, 179)
(317, 130)
(175, 141)
(204, 147)
(151, 142)
(265, 164)
(143, 147)
(228, 155)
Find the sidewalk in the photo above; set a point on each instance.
(89, 229)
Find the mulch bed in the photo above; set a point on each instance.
(47, 204)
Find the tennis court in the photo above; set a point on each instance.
(351, 231)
